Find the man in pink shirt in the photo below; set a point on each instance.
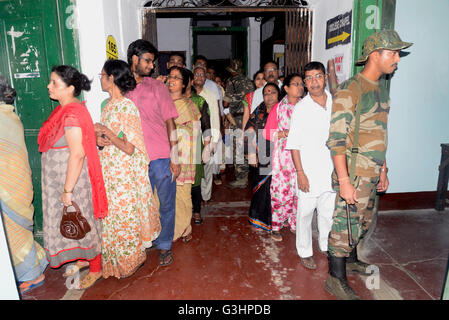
(157, 113)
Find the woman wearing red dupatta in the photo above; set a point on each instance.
(65, 140)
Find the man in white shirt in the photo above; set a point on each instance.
(309, 131)
(199, 77)
(201, 61)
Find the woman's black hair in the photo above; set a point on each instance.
(273, 85)
(184, 75)
(255, 75)
(123, 77)
(140, 47)
(200, 57)
(7, 93)
(288, 79)
(191, 76)
(73, 77)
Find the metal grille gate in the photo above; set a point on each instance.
(298, 39)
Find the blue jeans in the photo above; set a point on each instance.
(160, 178)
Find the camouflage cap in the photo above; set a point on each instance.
(235, 65)
(384, 39)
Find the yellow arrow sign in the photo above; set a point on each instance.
(342, 37)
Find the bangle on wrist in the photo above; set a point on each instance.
(384, 169)
(66, 191)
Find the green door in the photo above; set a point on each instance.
(369, 17)
(32, 42)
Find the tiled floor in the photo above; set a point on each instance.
(226, 260)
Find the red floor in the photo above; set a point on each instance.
(226, 260)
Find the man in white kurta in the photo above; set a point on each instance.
(199, 77)
(309, 131)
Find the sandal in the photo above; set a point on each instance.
(308, 263)
(257, 229)
(165, 258)
(73, 269)
(197, 219)
(89, 280)
(187, 238)
(276, 236)
(28, 285)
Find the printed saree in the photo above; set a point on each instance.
(16, 195)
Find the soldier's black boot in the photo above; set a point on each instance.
(337, 283)
(354, 265)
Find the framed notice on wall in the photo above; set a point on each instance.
(338, 30)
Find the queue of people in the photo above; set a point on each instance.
(154, 157)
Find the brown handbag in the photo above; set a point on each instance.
(73, 225)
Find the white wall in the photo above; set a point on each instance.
(8, 289)
(323, 11)
(253, 47)
(419, 114)
(96, 21)
(174, 34)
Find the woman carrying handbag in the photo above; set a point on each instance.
(71, 171)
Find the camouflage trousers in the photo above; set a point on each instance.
(240, 161)
(361, 215)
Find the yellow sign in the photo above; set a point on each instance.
(342, 37)
(111, 49)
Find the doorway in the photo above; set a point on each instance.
(283, 33)
(221, 44)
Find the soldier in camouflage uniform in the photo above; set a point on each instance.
(236, 88)
(381, 56)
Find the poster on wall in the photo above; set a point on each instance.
(338, 30)
(339, 68)
(279, 57)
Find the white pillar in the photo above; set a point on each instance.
(8, 281)
(253, 47)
